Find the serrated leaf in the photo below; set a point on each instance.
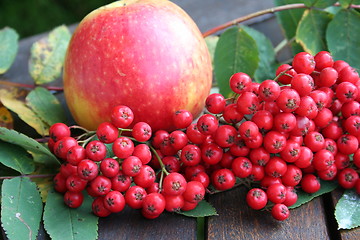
(8, 48)
(10, 101)
(343, 37)
(62, 222)
(21, 208)
(289, 20)
(303, 197)
(315, 22)
(16, 157)
(347, 210)
(45, 105)
(203, 209)
(44, 184)
(346, 3)
(236, 51)
(6, 120)
(266, 68)
(47, 55)
(319, 3)
(14, 137)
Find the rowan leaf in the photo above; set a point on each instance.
(347, 210)
(236, 51)
(31, 145)
(289, 21)
(47, 55)
(21, 208)
(46, 106)
(8, 48)
(16, 157)
(342, 36)
(211, 42)
(267, 61)
(319, 3)
(62, 222)
(346, 3)
(10, 101)
(6, 120)
(203, 209)
(303, 197)
(313, 21)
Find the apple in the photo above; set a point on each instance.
(146, 54)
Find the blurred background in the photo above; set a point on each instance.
(30, 17)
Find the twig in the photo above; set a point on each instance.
(253, 15)
(23, 85)
(260, 13)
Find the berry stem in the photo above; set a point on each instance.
(23, 85)
(163, 169)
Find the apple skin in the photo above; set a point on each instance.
(146, 54)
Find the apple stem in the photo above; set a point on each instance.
(23, 85)
(260, 13)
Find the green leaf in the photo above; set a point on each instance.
(21, 208)
(347, 210)
(16, 157)
(236, 51)
(319, 3)
(62, 222)
(315, 22)
(289, 21)
(343, 37)
(303, 197)
(266, 68)
(203, 209)
(10, 101)
(346, 3)
(47, 55)
(46, 106)
(211, 42)
(8, 48)
(14, 137)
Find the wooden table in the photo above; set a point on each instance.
(314, 220)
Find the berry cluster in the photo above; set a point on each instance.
(278, 136)
(116, 168)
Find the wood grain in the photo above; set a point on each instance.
(237, 221)
(130, 224)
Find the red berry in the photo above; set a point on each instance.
(280, 212)
(256, 198)
(58, 131)
(114, 201)
(107, 132)
(122, 116)
(182, 119)
(303, 63)
(73, 199)
(141, 131)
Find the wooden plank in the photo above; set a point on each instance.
(130, 224)
(344, 234)
(238, 221)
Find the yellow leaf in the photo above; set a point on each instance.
(6, 120)
(9, 99)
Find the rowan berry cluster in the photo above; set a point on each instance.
(278, 136)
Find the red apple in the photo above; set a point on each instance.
(146, 54)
